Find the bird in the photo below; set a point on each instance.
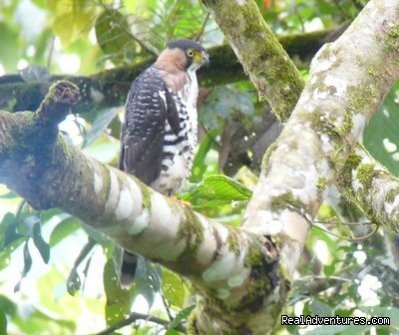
(159, 132)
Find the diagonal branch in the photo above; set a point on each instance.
(222, 262)
(263, 68)
(242, 275)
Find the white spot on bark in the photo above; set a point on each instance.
(241, 2)
(320, 94)
(205, 250)
(163, 216)
(140, 223)
(389, 207)
(136, 196)
(223, 293)
(113, 195)
(388, 145)
(326, 143)
(359, 122)
(96, 95)
(221, 268)
(338, 83)
(322, 63)
(98, 183)
(125, 205)
(294, 225)
(239, 279)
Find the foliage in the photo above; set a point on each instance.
(77, 292)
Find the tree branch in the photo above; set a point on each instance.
(372, 203)
(269, 67)
(138, 316)
(220, 261)
(242, 275)
(109, 88)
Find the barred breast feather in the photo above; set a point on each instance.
(160, 130)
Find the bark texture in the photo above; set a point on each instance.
(242, 275)
(255, 58)
(109, 88)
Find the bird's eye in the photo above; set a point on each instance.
(190, 53)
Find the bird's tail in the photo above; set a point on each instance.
(128, 269)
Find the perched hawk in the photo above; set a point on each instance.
(159, 133)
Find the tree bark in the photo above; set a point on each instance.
(262, 69)
(242, 275)
(109, 88)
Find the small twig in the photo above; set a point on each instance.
(149, 48)
(50, 53)
(201, 32)
(138, 316)
(350, 239)
(295, 10)
(312, 278)
(165, 303)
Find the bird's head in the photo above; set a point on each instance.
(185, 54)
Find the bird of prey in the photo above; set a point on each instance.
(159, 132)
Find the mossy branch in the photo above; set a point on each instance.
(109, 88)
(224, 263)
(262, 65)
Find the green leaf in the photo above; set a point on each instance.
(181, 316)
(381, 136)
(224, 104)
(320, 308)
(29, 223)
(72, 18)
(105, 149)
(3, 323)
(147, 279)
(9, 49)
(173, 288)
(40, 322)
(74, 282)
(338, 329)
(63, 230)
(199, 164)
(97, 236)
(40, 243)
(100, 124)
(119, 300)
(7, 306)
(220, 187)
(40, 3)
(112, 33)
(391, 312)
(27, 266)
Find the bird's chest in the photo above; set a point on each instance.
(178, 149)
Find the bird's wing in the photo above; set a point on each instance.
(148, 106)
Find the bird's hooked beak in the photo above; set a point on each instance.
(205, 58)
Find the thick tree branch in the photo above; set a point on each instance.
(222, 262)
(242, 275)
(348, 80)
(261, 68)
(372, 187)
(109, 88)
(269, 67)
(344, 89)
